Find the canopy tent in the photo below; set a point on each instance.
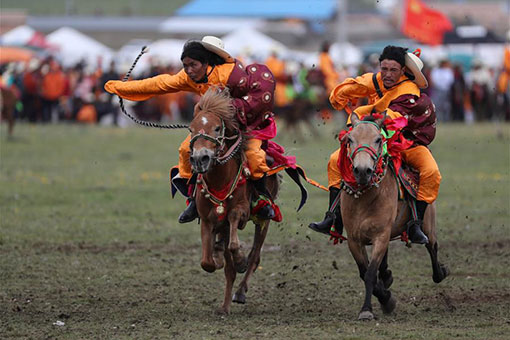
(250, 41)
(346, 54)
(75, 47)
(15, 54)
(20, 35)
(164, 51)
(26, 36)
(268, 9)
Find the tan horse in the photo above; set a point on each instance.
(223, 195)
(377, 217)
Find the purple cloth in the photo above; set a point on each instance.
(421, 115)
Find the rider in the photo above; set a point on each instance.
(396, 90)
(206, 63)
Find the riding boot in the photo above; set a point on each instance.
(414, 227)
(266, 212)
(190, 213)
(332, 217)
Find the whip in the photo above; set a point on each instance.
(136, 120)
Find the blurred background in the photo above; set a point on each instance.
(56, 55)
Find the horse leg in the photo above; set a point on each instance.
(207, 261)
(219, 249)
(240, 263)
(370, 278)
(253, 260)
(439, 271)
(230, 276)
(384, 273)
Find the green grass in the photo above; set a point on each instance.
(96, 7)
(88, 236)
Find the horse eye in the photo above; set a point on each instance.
(217, 129)
(378, 140)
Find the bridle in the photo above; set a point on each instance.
(220, 143)
(374, 154)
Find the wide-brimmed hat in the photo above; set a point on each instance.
(216, 45)
(415, 65)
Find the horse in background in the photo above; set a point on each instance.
(375, 215)
(223, 194)
(8, 102)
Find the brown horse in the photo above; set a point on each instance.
(7, 106)
(377, 216)
(222, 193)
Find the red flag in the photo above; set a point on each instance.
(424, 24)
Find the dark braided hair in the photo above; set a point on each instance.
(195, 50)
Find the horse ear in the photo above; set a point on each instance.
(354, 118)
(196, 109)
(380, 121)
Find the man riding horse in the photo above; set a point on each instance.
(396, 90)
(207, 64)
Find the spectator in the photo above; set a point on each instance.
(442, 79)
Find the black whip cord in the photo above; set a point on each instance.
(136, 120)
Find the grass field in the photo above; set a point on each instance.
(96, 7)
(89, 238)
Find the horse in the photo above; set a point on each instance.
(8, 101)
(223, 194)
(375, 215)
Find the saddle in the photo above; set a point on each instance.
(408, 180)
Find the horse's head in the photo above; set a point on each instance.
(213, 123)
(365, 145)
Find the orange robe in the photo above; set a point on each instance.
(504, 78)
(327, 67)
(166, 83)
(278, 68)
(418, 157)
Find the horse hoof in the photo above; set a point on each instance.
(444, 273)
(366, 316)
(389, 306)
(239, 298)
(208, 267)
(241, 266)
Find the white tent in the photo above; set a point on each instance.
(346, 54)
(20, 35)
(75, 46)
(167, 51)
(251, 41)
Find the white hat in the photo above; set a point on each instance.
(415, 65)
(216, 45)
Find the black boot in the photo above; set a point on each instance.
(190, 213)
(414, 227)
(267, 211)
(332, 217)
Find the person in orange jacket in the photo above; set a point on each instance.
(396, 90)
(205, 64)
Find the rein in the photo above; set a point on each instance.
(136, 120)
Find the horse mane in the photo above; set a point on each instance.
(218, 102)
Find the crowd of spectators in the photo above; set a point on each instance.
(48, 93)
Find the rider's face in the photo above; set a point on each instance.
(391, 71)
(194, 69)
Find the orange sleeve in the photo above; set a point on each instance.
(147, 88)
(351, 89)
